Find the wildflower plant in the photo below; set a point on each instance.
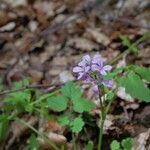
(93, 70)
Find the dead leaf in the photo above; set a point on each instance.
(98, 36)
(140, 141)
(82, 44)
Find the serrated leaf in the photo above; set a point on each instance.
(127, 143)
(135, 87)
(143, 72)
(82, 105)
(63, 120)
(57, 103)
(77, 125)
(115, 145)
(71, 91)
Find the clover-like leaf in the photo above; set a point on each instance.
(81, 105)
(127, 143)
(63, 120)
(71, 91)
(77, 125)
(115, 145)
(57, 103)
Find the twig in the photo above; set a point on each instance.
(53, 87)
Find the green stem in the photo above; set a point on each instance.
(74, 141)
(41, 99)
(127, 51)
(102, 120)
(38, 133)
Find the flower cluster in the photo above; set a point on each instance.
(93, 70)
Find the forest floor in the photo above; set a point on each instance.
(44, 39)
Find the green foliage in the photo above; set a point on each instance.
(77, 125)
(63, 120)
(115, 145)
(135, 86)
(90, 145)
(57, 103)
(4, 124)
(113, 74)
(81, 105)
(143, 72)
(71, 90)
(21, 84)
(33, 143)
(132, 47)
(125, 144)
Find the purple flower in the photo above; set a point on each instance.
(95, 90)
(93, 71)
(83, 67)
(108, 83)
(98, 65)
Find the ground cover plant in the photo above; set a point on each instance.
(67, 106)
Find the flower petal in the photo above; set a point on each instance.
(80, 75)
(97, 59)
(77, 69)
(87, 68)
(82, 63)
(103, 71)
(86, 58)
(108, 83)
(95, 67)
(107, 68)
(95, 90)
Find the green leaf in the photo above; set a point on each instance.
(57, 103)
(135, 87)
(113, 74)
(77, 125)
(143, 72)
(4, 124)
(110, 95)
(127, 143)
(71, 91)
(22, 83)
(63, 120)
(115, 145)
(33, 143)
(125, 41)
(134, 49)
(29, 107)
(90, 145)
(81, 105)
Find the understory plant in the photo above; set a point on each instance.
(68, 105)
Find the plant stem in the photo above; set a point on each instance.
(74, 141)
(41, 99)
(38, 132)
(102, 120)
